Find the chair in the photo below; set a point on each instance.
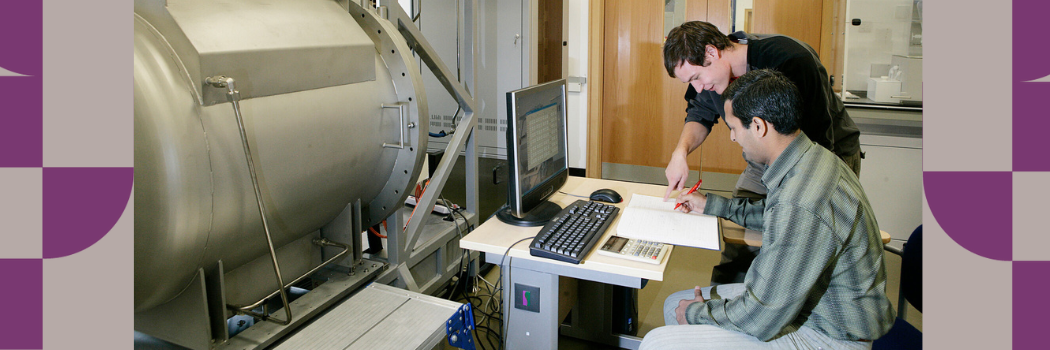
(903, 335)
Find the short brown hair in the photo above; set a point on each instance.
(688, 42)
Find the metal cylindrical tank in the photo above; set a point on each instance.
(315, 150)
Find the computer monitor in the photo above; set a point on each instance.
(537, 152)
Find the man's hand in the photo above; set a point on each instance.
(691, 202)
(693, 134)
(679, 312)
(677, 173)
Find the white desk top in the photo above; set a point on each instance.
(494, 236)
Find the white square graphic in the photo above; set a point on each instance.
(1031, 234)
(21, 213)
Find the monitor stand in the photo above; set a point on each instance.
(538, 216)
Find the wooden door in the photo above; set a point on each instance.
(818, 23)
(799, 19)
(833, 40)
(550, 46)
(641, 109)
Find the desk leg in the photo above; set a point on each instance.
(530, 329)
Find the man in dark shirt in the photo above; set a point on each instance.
(699, 54)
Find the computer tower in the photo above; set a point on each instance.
(625, 310)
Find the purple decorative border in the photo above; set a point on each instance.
(974, 208)
(21, 97)
(81, 205)
(21, 145)
(1031, 120)
(22, 326)
(1031, 114)
(970, 217)
(1030, 304)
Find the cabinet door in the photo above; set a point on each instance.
(799, 19)
(891, 174)
(643, 109)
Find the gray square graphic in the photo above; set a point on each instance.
(21, 212)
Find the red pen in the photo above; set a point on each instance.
(691, 190)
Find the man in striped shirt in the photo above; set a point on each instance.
(819, 281)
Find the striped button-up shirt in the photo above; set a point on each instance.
(821, 261)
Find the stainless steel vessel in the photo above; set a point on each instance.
(333, 109)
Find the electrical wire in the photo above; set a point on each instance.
(506, 322)
(373, 231)
(465, 256)
(481, 328)
(424, 190)
(574, 195)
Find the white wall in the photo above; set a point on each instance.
(578, 42)
(742, 5)
(884, 31)
(577, 101)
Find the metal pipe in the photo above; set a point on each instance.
(320, 242)
(234, 97)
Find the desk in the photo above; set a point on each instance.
(539, 330)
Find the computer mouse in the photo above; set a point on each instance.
(606, 195)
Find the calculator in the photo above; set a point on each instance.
(634, 249)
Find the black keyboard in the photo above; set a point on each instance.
(571, 234)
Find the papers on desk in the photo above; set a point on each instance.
(650, 218)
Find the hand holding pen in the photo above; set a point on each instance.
(691, 190)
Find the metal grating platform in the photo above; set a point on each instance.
(377, 317)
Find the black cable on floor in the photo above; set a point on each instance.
(506, 322)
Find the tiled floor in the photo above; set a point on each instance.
(682, 273)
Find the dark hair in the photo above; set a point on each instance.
(767, 94)
(687, 42)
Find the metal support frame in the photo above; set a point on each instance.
(319, 300)
(402, 251)
(463, 139)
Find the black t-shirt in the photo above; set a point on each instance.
(824, 119)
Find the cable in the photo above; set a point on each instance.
(481, 328)
(465, 221)
(574, 195)
(373, 231)
(451, 211)
(417, 205)
(465, 256)
(506, 322)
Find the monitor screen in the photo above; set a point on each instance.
(537, 145)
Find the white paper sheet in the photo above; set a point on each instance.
(650, 218)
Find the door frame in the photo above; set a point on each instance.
(595, 67)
